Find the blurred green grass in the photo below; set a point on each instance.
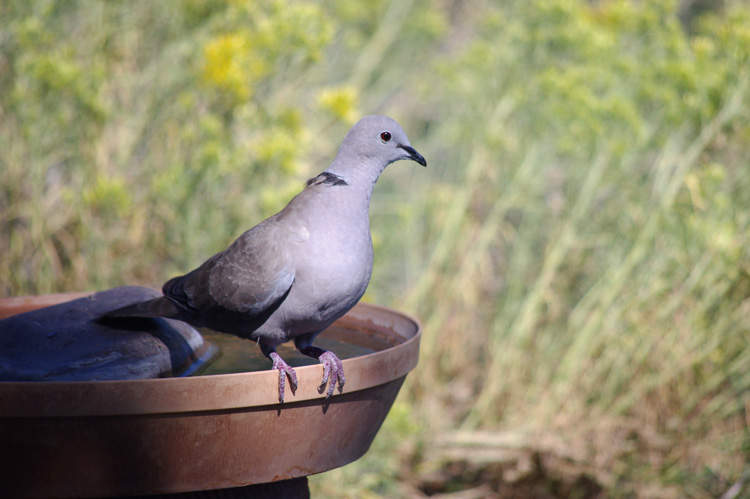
(577, 248)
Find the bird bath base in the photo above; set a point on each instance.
(171, 435)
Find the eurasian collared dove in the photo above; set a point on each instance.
(292, 275)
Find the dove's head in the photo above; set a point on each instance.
(372, 144)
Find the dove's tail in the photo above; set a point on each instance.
(158, 307)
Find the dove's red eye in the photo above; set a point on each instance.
(385, 136)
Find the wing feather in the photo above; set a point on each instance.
(234, 285)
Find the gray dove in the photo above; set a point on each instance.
(292, 275)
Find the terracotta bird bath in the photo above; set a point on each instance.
(170, 435)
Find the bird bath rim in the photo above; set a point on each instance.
(170, 395)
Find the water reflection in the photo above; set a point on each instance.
(240, 355)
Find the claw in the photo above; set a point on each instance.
(333, 370)
(284, 371)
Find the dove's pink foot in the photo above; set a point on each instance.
(284, 371)
(332, 368)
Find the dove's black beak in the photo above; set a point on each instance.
(414, 155)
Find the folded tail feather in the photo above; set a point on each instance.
(158, 307)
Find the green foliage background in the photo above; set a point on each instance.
(577, 248)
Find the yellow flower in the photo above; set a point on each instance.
(340, 102)
(227, 66)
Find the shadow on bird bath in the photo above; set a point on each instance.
(222, 429)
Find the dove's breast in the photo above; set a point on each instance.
(333, 264)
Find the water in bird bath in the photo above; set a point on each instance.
(240, 355)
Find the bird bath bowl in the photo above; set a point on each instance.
(169, 435)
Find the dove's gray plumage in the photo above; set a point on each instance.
(292, 275)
